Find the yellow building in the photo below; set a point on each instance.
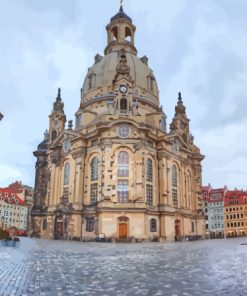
(13, 211)
(118, 173)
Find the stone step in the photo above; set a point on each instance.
(123, 240)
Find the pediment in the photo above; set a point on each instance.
(177, 137)
(66, 134)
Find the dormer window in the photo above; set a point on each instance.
(91, 81)
(79, 120)
(163, 124)
(150, 82)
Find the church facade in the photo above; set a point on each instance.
(119, 173)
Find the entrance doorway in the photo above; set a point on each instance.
(177, 230)
(122, 230)
(59, 230)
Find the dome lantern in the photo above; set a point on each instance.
(120, 32)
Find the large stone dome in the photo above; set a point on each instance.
(104, 71)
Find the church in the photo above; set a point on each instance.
(119, 172)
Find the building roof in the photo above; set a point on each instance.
(10, 197)
(105, 72)
(121, 14)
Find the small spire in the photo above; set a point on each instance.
(46, 135)
(58, 104)
(121, 5)
(179, 96)
(59, 94)
(70, 124)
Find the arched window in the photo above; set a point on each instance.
(53, 135)
(149, 170)
(94, 169)
(174, 176)
(153, 225)
(66, 174)
(114, 33)
(123, 104)
(123, 164)
(127, 34)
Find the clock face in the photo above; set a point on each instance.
(123, 88)
(66, 145)
(55, 121)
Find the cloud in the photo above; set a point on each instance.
(7, 173)
(198, 48)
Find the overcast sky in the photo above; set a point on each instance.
(196, 47)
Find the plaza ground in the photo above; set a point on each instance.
(47, 268)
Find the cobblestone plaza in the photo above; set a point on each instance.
(42, 267)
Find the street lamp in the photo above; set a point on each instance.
(1, 116)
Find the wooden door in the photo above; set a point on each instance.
(59, 230)
(122, 230)
(177, 230)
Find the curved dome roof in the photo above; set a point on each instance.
(105, 71)
(121, 14)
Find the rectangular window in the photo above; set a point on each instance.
(94, 193)
(123, 190)
(175, 197)
(65, 197)
(149, 195)
(89, 224)
(153, 225)
(123, 170)
(149, 170)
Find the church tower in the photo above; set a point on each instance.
(57, 118)
(119, 174)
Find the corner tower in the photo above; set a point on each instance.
(57, 118)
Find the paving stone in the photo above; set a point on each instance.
(216, 267)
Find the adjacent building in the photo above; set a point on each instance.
(236, 213)
(13, 210)
(214, 211)
(225, 212)
(119, 172)
(26, 194)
